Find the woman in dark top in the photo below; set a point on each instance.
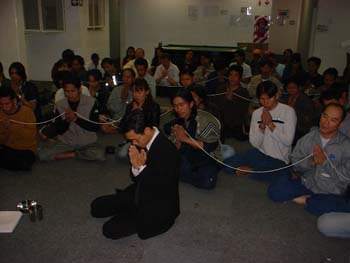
(98, 91)
(142, 99)
(27, 92)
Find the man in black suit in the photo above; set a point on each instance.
(150, 205)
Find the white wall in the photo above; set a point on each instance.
(44, 49)
(12, 41)
(285, 36)
(327, 45)
(144, 23)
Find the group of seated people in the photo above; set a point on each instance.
(290, 116)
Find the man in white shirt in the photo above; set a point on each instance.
(271, 134)
(167, 73)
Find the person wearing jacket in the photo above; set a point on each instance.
(321, 182)
(150, 205)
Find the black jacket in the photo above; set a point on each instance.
(155, 190)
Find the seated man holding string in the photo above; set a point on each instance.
(17, 132)
(321, 183)
(74, 127)
(271, 133)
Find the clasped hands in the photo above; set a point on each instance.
(179, 133)
(266, 119)
(137, 158)
(319, 155)
(71, 116)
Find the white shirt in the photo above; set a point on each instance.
(173, 72)
(276, 143)
(136, 171)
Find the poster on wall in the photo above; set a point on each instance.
(261, 29)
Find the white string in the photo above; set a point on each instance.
(94, 122)
(37, 123)
(243, 170)
(111, 122)
(333, 166)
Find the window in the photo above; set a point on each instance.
(96, 14)
(43, 15)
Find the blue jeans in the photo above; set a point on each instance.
(285, 189)
(256, 160)
(334, 225)
(202, 175)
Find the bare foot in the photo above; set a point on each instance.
(65, 155)
(301, 200)
(246, 171)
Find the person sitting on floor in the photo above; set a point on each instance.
(204, 69)
(111, 75)
(266, 69)
(192, 131)
(118, 100)
(167, 73)
(186, 78)
(319, 183)
(271, 134)
(303, 106)
(76, 135)
(149, 206)
(97, 90)
(142, 69)
(240, 60)
(139, 53)
(234, 105)
(26, 91)
(78, 67)
(142, 100)
(17, 140)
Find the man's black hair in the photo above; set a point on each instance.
(7, 92)
(72, 79)
(95, 73)
(68, 55)
(141, 62)
(94, 55)
(241, 53)
(315, 60)
(237, 68)
(186, 72)
(266, 87)
(337, 105)
(109, 61)
(80, 59)
(136, 121)
(264, 62)
(331, 71)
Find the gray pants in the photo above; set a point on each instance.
(91, 152)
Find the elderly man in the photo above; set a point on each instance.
(320, 182)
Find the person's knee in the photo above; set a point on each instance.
(327, 225)
(274, 193)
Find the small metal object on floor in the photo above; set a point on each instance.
(32, 208)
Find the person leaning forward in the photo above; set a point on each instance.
(150, 205)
